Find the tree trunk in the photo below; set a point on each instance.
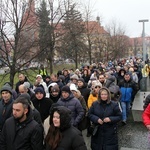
(12, 75)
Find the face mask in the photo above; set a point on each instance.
(122, 74)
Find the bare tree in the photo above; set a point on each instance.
(117, 43)
(17, 34)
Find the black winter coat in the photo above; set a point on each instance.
(85, 92)
(5, 111)
(106, 136)
(72, 140)
(27, 135)
(43, 106)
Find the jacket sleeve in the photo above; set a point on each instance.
(146, 116)
(80, 113)
(78, 143)
(83, 103)
(37, 138)
(94, 118)
(90, 101)
(3, 138)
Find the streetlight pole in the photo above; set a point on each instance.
(143, 39)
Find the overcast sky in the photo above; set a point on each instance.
(126, 12)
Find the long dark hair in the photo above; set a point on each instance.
(53, 137)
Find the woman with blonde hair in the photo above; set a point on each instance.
(104, 114)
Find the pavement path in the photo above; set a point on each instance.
(133, 136)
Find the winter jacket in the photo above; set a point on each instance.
(92, 99)
(21, 82)
(109, 82)
(128, 90)
(146, 102)
(72, 138)
(106, 135)
(85, 92)
(82, 101)
(146, 116)
(119, 76)
(75, 106)
(86, 78)
(54, 98)
(83, 123)
(5, 111)
(43, 106)
(27, 135)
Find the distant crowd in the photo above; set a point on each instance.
(52, 112)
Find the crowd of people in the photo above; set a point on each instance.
(95, 98)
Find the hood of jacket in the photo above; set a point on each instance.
(109, 95)
(65, 117)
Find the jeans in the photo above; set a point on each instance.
(125, 110)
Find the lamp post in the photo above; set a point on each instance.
(143, 38)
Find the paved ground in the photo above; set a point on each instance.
(133, 136)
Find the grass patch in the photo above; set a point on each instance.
(31, 73)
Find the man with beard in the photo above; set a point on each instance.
(20, 131)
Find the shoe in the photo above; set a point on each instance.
(124, 122)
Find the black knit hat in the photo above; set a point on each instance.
(81, 79)
(39, 89)
(66, 89)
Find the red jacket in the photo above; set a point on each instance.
(146, 116)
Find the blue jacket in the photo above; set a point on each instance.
(128, 90)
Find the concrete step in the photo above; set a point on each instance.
(123, 148)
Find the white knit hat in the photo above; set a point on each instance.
(38, 76)
(73, 87)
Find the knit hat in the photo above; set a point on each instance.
(66, 89)
(52, 84)
(55, 88)
(73, 87)
(6, 88)
(38, 76)
(97, 84)
(26, 96)
(39, 89)
(27, 85)
(81, 79)
(74, 76)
